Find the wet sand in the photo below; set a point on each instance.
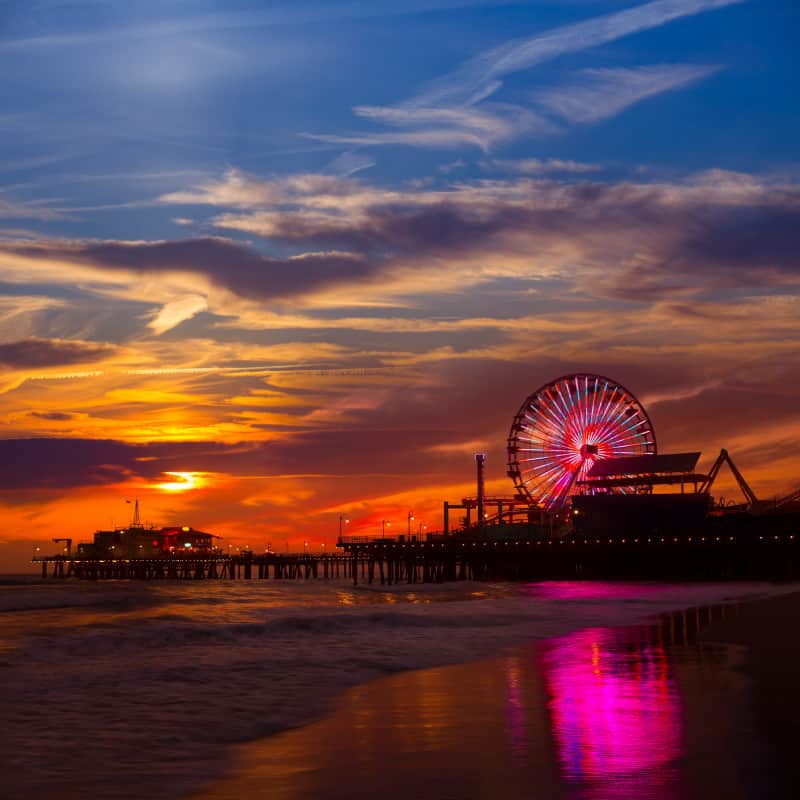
(769, 633)
(702, 704)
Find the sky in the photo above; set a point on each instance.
(266, 265)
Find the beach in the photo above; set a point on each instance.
(317, 690)
(691, 706)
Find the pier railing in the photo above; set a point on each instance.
(393, 539)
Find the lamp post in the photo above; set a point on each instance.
(410, 520)
(344, 520)
(384, 523)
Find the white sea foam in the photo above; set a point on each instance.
(104, 684)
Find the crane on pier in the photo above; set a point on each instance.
(69, 544)
(751, 500)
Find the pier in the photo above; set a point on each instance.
(454, 558)
(204, 567)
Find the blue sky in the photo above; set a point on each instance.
(116, 102)
(299, 230)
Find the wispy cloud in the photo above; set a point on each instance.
(21, 315)
(538, 166)
(33, 162)
(481, 76)
(34, 209)
(280, 14)
(604, 93)
(177, 311)
(349, 163)
(452, 110)
(444, 127)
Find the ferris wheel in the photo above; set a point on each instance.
(564, 427)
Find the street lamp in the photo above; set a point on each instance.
(342, 520)
(384, 523)
(410, 520)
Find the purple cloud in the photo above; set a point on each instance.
(38, 353)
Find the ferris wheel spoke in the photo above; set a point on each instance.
(545, 420)
(584, 401)
(617, 421)
(608, 435)
(549, 429)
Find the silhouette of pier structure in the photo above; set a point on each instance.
(723, 554)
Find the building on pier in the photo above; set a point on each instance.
(620, 496)
(140, 541)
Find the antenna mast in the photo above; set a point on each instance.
(137, 522)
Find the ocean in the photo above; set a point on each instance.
(131, 690)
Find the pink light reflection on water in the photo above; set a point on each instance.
(594, 590)
(615, 713)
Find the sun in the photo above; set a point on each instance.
(184, 482)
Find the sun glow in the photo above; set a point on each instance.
(184, 481)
